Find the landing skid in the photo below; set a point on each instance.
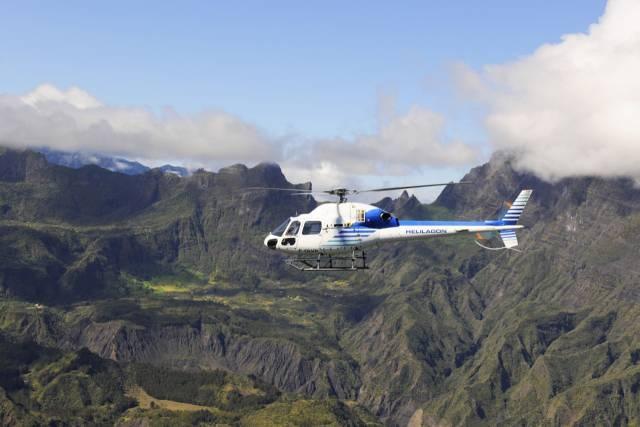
(322, 262)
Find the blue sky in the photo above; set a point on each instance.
(310, 67)
(304, 70)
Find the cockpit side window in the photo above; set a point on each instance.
(278, 231)
(312, 227)
(293, 228)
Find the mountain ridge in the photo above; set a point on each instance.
(437, 332)
(76, 160)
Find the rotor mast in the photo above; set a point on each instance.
(341, 193)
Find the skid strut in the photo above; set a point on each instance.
(325, 262)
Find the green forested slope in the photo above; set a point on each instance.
(166, 273)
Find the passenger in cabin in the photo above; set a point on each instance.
(293, 228)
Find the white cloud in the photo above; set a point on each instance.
(570, 108)
(406, 143)
(73, 120)
(46, 94)
(120, 165)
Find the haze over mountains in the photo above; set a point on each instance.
(114, 164)
(160, 276)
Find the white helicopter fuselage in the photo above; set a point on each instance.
(343, 227)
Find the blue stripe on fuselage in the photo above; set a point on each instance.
(441, 223)
(364, 231)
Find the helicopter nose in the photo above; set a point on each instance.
(271, 241)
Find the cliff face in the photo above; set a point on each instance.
(195, 344)
(172, 271)
(278, 362)
(69, 234)
(542, 336)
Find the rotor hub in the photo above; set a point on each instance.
(342, 193)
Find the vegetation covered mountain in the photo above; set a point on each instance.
(155, 281)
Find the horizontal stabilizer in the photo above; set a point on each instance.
(509, 238)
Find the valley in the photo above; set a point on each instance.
(105, 276)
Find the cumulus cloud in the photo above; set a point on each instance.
(73, 120)
(403, 144)
(323, 175)
(570, 108)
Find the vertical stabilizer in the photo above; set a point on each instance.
(515, 210)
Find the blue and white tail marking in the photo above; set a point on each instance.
(514, 212)
(512, 216)
(509, 238)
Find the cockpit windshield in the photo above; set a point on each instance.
(280, 229)
(293, 228)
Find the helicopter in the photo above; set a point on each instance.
(333, 236)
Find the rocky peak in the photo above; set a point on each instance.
(492, 184)
(497, 182)
(406, 202)
(404, 206)
(262, 175)
(236, 169)
(268, 174)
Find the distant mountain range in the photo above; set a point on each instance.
(76, 160)
(114, 288)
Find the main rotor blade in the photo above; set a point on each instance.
(310, 193)
(297, 190)
(411, 186)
